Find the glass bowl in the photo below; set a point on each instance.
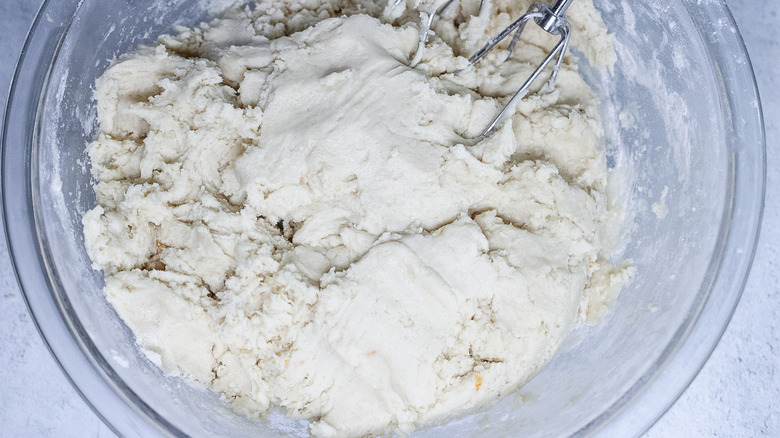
(684, 133)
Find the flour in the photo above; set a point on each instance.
(291, 215)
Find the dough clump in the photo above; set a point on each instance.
(290, 214)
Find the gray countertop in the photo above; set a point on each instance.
(737, 393)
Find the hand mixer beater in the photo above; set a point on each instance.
(551, 18)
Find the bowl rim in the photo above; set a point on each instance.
(635, 412)
(81, 363)
(693, 344)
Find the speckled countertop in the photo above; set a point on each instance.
(736, 394)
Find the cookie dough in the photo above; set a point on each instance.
(290, 214)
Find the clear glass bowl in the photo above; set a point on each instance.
(684, 129)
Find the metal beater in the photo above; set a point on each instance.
(551, 19)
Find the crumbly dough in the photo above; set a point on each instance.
(290, 214)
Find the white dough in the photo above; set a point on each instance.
(290, 214)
